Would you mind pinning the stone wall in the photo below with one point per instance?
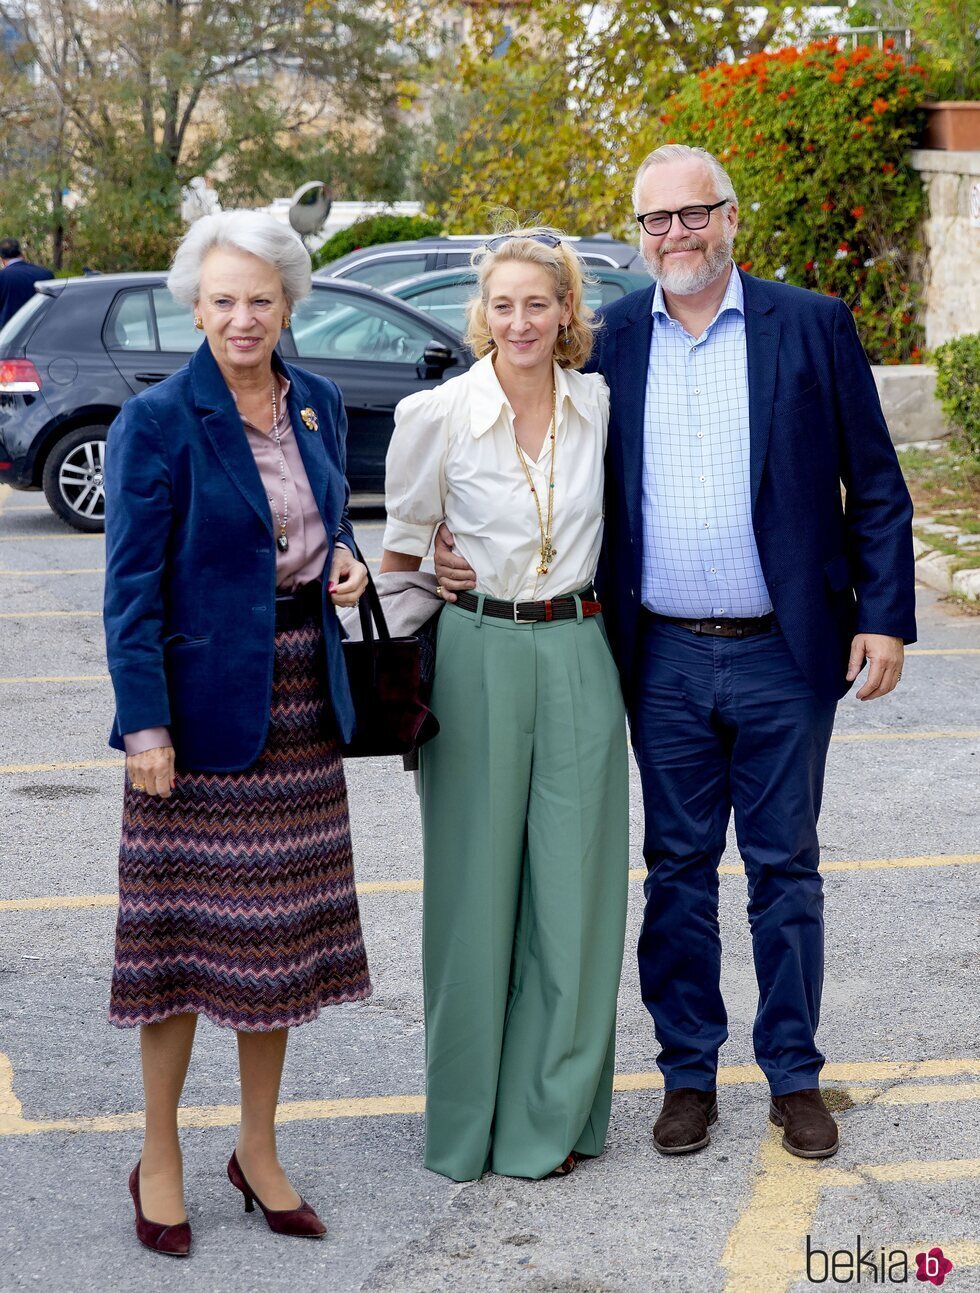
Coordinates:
(951, 292)
(908, 401)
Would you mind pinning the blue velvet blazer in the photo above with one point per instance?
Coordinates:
(190, 563)
(834, 566)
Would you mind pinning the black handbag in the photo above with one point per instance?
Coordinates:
(386, 686)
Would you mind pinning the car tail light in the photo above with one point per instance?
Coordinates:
(19, 377)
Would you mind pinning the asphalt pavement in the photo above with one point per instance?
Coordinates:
(901, 855)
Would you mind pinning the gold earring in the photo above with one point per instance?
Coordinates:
(286, 320)
(198, 322)
(566, 334)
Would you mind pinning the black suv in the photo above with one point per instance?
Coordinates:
(81, 347)
(388, 262)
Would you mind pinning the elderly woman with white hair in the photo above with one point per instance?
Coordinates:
(228, 549)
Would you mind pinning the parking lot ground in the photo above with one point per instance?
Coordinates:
(901, 854)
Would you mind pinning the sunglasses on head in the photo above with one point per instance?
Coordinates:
(546, 239)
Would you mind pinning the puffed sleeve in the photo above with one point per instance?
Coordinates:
(602, 399)
(415, 473)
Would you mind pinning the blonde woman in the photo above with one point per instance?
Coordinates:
(524, 790)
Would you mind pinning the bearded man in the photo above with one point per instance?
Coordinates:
(742, 598)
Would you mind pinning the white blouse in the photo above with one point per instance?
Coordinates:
(453, 457)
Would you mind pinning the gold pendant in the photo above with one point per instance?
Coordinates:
(548, 554)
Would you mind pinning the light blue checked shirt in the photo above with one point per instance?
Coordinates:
(700, 557)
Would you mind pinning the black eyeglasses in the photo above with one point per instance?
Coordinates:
(696, 217)
(546, 239)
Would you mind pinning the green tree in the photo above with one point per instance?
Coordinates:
(135, 97)
(547, 116)
(816, 142)
(945, 38)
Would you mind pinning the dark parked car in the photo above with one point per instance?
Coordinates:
(443, 294)
(81, 347)
(388, 262)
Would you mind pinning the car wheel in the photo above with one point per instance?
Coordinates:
(73, 482)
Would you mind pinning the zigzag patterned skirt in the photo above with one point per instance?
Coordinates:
(236, 895)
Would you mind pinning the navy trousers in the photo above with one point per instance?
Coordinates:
(723, 724)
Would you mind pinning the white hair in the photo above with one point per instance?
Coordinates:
(683, 153)
(254, 232)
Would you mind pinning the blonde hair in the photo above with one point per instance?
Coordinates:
(565, 268)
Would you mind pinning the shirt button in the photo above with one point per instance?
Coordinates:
(701, 478)
(713, 571)
(700, 435)
(706, 525)
(697, 390)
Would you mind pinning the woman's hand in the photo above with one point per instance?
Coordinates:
(348, 577)
(152, 771)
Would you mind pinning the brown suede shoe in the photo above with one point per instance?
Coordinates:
(684, 1121)
(808, 1129)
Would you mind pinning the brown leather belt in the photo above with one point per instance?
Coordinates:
(558, 608)
(732, 628)
(302, 606)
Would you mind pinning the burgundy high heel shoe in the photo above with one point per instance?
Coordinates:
(301, 1222)
(174, 1241)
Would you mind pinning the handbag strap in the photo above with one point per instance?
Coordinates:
(370, 607)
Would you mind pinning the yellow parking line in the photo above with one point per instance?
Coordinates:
(48, 538)
(54, 677)
(926, 1093)
(51, 614)
(59, 902)
(60, 767)
(85, 570)
(390, 886)
(862, 864)
(13, 1123)
(766, 1246)
(953, 734)
(942, 651)
(56, 902)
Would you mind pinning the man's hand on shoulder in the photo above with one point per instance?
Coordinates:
(884, 656)
(454, 575)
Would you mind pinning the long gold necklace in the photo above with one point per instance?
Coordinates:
(548, 552)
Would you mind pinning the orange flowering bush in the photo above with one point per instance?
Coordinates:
(815, 141)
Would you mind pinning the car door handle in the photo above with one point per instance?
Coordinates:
(151, 377)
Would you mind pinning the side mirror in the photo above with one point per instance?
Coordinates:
(436, 358)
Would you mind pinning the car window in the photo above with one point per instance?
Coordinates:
(175, 324)
(382, 270)
(598, 294)
(460, 259)
(446, 303)
(335, 325)
(13, 326)
(130, 326)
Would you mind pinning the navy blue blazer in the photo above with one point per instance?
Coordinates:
(17, 286)
(190, 563)
(834, 567)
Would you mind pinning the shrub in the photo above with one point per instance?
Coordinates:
(815, 141)
(375, 229)
(957, 365)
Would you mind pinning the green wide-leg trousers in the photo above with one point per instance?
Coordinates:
(525, 826)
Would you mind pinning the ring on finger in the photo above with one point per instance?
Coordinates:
(137, 786)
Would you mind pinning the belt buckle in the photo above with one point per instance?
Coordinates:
(517, 613)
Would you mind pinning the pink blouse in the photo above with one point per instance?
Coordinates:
(304, 559)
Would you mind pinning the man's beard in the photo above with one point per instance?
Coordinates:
(685, 282)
